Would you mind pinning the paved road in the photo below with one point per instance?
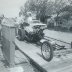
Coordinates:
(63, 36)
(67, 37)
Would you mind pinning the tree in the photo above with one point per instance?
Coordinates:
(43, 8)
(70, 1)
(67, 12)
(1, 18)
(39, 6)
(58, 5)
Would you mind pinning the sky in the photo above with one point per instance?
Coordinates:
(11, 8)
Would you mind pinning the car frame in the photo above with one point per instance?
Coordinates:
(46, 45)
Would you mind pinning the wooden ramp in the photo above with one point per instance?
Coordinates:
(33, 52)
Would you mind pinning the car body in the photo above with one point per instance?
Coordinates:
(32, 31)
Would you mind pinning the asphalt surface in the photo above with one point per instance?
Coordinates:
(63, 36)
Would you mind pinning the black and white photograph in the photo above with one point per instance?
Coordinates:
(35, 35)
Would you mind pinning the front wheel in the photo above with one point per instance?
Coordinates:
(47, 51)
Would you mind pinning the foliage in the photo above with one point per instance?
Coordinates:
(1, 18)
(65, 12)
(66, 8)
(43, 8)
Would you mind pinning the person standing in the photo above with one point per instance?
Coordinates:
(0, 32)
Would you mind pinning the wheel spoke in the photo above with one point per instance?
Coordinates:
(46, 50)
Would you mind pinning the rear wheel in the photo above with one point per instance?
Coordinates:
(47, 51)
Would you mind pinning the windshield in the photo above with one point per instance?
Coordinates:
(35, 21)
(37, 26)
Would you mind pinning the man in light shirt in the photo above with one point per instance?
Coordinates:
(29, 19)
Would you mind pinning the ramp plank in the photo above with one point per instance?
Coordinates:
(34, 53)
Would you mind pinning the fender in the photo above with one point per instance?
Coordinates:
(43, 40)
(51, 42)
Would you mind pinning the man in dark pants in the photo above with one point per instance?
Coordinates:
(0, 32)
(21, 32)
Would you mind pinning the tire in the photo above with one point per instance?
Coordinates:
(47, 51)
